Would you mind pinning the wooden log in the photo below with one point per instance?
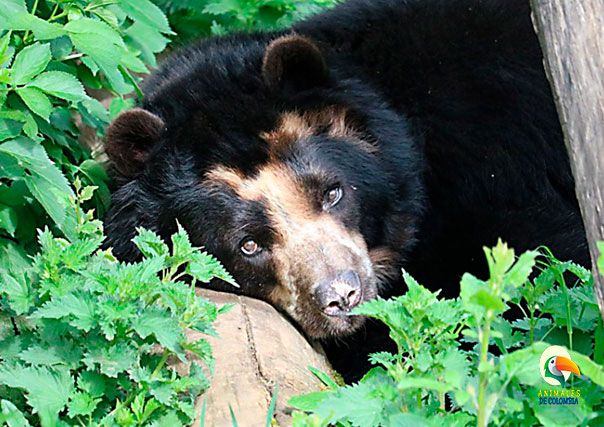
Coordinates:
(571, 33)
(257, 350)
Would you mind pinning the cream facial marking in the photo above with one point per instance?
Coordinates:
(332, 121)
(311, 244)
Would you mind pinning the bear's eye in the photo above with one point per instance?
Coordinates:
(332, 197)
(249, 246)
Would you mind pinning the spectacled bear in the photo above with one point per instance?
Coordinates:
(317, 162)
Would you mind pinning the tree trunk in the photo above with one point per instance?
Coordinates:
(571, 33)
(258, 352)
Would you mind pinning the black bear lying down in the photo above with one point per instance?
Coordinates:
(317, 162)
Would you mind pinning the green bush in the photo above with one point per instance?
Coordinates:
(192, 18)
(53, 56)
(490, 374)
(84, 339)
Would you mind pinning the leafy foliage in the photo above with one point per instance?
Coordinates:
(85, 339)
(192, 18)
(53, 55)
(461, 362)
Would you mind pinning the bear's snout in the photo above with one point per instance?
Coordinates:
(339, 294)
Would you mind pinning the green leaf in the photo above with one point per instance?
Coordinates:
(522, 268)
(92, 383)
(61, 48)
(36, 101)
(60, 84)
(148, 40)
(161, 324)
(112, 360)
(147, 13)
(309, 401)
(9, 128)
(150, 244)
(486, 299)
(589, 368)
(6, 51)
(30, 62)
(81, 404)
(345, 405)
(48, 389)
(14, 16)
(12, 416)
(323, 377)
(204, 267)
(80, 309)
(19, 294)
(424, 383)
(8, 219)
(523, 364)
(22, 157)
(85, 34)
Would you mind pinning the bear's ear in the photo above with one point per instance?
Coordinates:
(294, 62)
(130, 138)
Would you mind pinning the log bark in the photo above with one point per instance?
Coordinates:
(257, 350)
(571, 33)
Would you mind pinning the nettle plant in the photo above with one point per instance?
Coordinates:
(462, 362)
(87, 340)
(53, 56)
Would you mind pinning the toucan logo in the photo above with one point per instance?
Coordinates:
(556, 366)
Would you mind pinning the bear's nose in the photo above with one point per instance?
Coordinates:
(339, 294)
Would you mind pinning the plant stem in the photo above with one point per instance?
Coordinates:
(482, 418)
(33, 12)
(54, 11)
(59, 16)
(160, 364)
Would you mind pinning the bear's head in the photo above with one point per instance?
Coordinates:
(281, 163)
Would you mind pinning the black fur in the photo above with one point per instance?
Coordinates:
(451, 92)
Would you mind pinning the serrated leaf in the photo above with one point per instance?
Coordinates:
(60, 84)
(162, 325)
(150, 244)
(61, 352)
(30, 62)
(148, 40)
(92, 383)
(37, 382)
(486, 299)
(522, 268)
(146, 12)
(204, 267)
(85, 34)
(14, 16)
(12, 416)
(80, 309)
(8, 219)
(343, 405)
(36, 101)
(18, 293)
(81, 404)
(112, 360)
(22, 157)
